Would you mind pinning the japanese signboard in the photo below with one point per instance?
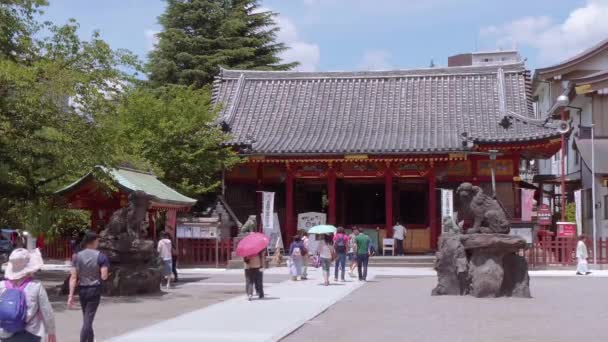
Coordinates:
(544, 215)
(310, 219)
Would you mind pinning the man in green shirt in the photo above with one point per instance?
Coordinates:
(362, 242)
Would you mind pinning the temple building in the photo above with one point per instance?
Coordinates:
(370, 148)
(93, 193)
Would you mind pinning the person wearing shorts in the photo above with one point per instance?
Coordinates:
(165, 252)
(351, 255)
(326, 253)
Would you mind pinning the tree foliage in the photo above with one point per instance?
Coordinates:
(201, 35)
(172, 130)
(54, 91)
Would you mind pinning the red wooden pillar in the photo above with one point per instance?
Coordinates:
(171, 222)
(331, 194)
(433, 207)
(388, 199)
(259, 197)
(290, 228)
(152, 224)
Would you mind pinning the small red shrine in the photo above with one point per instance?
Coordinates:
(89, 193)
(370, 148)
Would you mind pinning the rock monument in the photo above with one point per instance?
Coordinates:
(483, 262)
(135, 267)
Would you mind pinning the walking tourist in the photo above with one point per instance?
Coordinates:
(581, 257)
(305, 258)
(352, 253)
(399, 232)
(254, 275)
(32, 319)
(363, 251)
(297, 251)
(89, 269)
(326, 253)
(165, 252)
(341, 246)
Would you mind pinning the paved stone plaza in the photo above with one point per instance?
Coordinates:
(394, 305)
(400, 309)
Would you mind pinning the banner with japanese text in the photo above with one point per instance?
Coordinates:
(267, 211)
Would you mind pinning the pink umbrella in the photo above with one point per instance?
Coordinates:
(252, 244)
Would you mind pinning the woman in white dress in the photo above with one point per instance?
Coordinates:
(581, 257)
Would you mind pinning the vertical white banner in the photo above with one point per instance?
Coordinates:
(267, 211)
(447, 203)
(579, 212)
(527, 204)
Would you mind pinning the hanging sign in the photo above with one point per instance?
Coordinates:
(274, 235)
(544, 215)
(267, 210)
(566, 229)
(527, 204)
(579, 212)
(447, 203)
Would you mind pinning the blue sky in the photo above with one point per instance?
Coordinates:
(378, 34)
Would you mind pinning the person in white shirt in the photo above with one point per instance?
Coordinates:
(581, 257)
(399, 232)
(164, 250)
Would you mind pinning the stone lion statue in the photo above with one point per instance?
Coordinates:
(131, 219)
(489, 215)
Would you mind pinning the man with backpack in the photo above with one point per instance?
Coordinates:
(25, 311)
(89, 269)
(341, 246)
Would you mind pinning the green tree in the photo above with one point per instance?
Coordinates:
(199, 36)
(54, 92)
(172, 131)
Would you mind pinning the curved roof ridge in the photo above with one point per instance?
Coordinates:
(421, 72)
(579, 57)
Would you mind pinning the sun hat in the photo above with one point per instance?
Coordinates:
(22, 262)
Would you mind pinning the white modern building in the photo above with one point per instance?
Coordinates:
(576, 90)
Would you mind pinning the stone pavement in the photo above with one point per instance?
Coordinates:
(563, 309)
(287, 306)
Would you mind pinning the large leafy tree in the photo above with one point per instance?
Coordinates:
(172, 131)
(199, 36)
(54, 92)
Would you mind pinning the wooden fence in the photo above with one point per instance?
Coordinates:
(203, 252)
(191, 251)
(58, 249)
(562, 252)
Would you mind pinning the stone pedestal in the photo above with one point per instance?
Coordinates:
(493, 268)
(445, 264)
(135, 267)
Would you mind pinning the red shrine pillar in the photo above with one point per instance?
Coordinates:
(171, 222)
(259, 196)
(331, 194)
(388, 199)
(290, 228)
(433, 207)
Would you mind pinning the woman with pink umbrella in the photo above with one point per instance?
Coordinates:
(252, 249)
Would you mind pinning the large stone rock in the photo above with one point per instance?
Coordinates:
(450, 249)
(135, 267)
(494, 268)
(516, 282)
(486, 274)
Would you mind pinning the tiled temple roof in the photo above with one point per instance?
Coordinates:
(376, 112)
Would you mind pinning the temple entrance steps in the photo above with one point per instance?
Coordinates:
(402, 261)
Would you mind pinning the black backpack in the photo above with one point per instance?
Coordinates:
(340, 244)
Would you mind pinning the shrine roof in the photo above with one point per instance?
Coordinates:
(135, 180)
(402, 111)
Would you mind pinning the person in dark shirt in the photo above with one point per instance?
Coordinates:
(89, 269)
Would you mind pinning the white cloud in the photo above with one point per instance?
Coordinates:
(555, 41)
(376, 60)
(387, 7)
(308, 54)
(151, 38)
